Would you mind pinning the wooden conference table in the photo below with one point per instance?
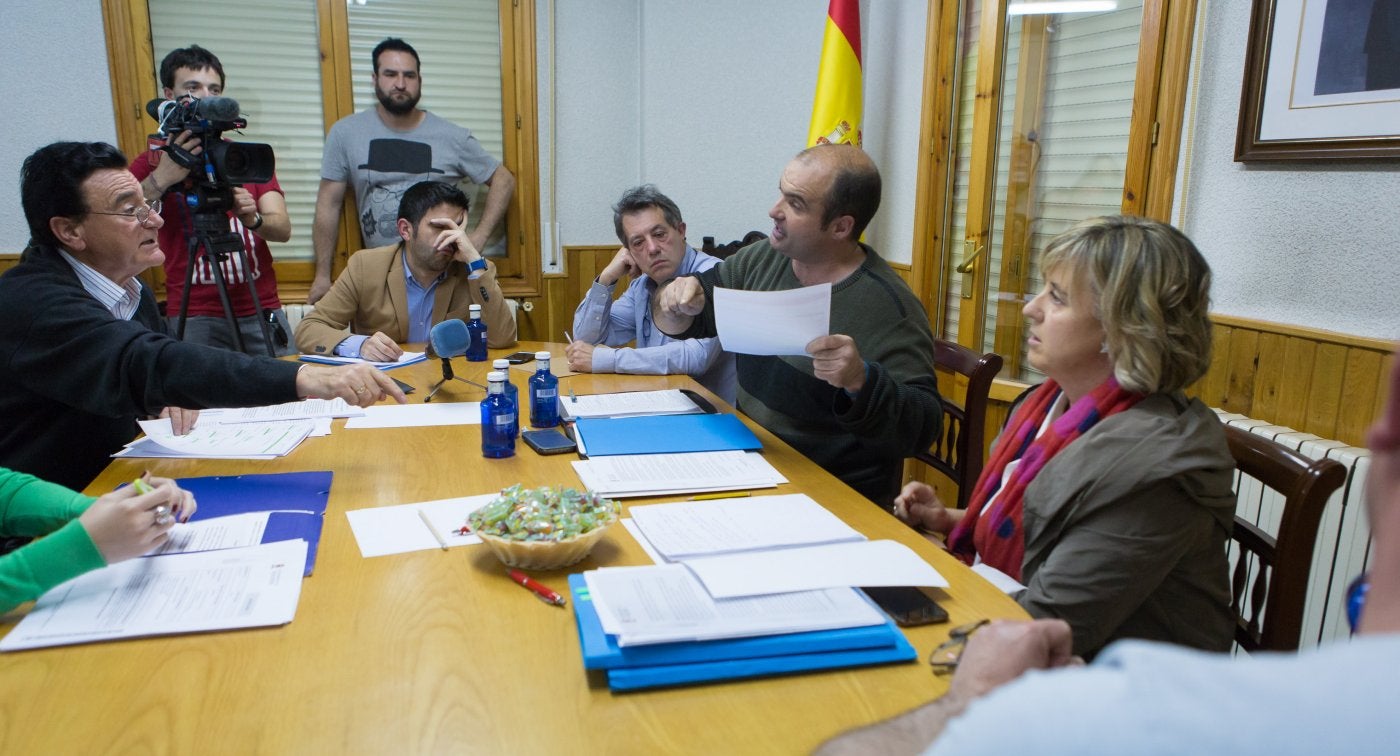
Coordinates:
(439, 652)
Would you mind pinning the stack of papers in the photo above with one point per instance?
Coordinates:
(407, 358)
(306, 409)
(264, 440)
(627, 475)
(665, 604)
(255, 586)
(628, 404)
(686, 529)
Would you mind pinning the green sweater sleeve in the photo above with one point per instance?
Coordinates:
(32, 507)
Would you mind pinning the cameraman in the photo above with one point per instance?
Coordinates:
(259, 216)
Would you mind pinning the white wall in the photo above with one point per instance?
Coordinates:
(709, 101)
(62, 39)
(1310, 244)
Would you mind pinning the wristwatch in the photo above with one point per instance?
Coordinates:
(476, 268)
(257, 222)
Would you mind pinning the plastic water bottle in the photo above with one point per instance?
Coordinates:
(503, 367)
(476, 349)
(498, 423)
(544, 394)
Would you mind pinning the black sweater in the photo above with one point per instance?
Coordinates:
(74, 379)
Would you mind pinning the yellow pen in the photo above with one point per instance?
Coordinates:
(141, 486)
(727, 495)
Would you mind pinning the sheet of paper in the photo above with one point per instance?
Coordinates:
(694, 472)
(627, 404)
(692, 528)
(407, 358)
(398, 529)
(772, 322)
(631, 527)
(865, 563)
(231, 532)
(255, 586)
(1004, 582)
(307, 409)
(243, 441)
(417, 415)
(665, 603)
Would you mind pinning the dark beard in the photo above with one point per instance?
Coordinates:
(394, 107)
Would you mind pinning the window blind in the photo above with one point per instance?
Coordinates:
(459, 48)
(1091, 68)
(271, 58)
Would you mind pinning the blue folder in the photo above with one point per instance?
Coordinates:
(665, 434)
(296, 501)
(663, 664)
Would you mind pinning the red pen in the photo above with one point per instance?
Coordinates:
(545, 593)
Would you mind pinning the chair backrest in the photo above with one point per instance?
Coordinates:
(961, 444)
(1281, 565)
(725, 250)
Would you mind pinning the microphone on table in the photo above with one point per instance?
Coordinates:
(446, 340)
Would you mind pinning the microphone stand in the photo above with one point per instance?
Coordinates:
(447, 375)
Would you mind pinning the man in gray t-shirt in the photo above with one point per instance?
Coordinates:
(390, 147)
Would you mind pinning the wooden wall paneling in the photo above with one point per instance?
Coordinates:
(1240, 364)
(1296, 378)
(1268, 373)
(1325, 391)
(1358, 405)
(1211, 387)
(1383, 385)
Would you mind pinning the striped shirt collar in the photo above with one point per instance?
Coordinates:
(120, 299)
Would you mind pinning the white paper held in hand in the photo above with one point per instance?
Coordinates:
(772, 322)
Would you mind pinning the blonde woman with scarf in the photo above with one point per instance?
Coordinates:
(1108, 493)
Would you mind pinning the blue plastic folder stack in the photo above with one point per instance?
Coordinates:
(664, 664)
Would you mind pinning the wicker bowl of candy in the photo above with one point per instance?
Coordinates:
(543, 528)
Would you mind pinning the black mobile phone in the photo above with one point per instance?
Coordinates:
(404, 387)
(520, 358)
(907, 605)
(550, 441)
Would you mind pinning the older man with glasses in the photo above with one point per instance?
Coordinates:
(83, 349)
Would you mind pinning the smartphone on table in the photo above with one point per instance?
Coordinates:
(550, 441)
(907, 605)
(520, 358)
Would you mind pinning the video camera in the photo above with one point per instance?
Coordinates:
(223, 164)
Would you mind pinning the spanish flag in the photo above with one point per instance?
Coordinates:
(836, 108)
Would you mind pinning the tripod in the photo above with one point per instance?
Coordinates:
(210, 239)
(448, 375)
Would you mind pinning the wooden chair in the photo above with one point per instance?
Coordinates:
(725, 250)
(961, 444)
(1273, 619)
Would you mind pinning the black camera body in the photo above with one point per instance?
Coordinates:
(223, 164)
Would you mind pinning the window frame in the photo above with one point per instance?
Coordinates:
(131, 62)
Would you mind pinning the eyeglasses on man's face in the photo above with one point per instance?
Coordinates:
(141, 212)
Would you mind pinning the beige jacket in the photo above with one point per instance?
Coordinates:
(370, 296)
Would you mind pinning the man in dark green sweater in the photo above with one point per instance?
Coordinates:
(865, 397)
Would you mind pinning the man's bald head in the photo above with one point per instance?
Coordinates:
(855, 183)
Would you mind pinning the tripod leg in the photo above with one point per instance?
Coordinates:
(257, 302)
(193, 246)
(217, 270)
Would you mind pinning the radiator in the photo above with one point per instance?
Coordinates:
(295, 312)
(1343, 546)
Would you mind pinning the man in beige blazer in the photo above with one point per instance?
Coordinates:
(395, 294)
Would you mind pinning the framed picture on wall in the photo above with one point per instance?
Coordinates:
(1321, 81)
